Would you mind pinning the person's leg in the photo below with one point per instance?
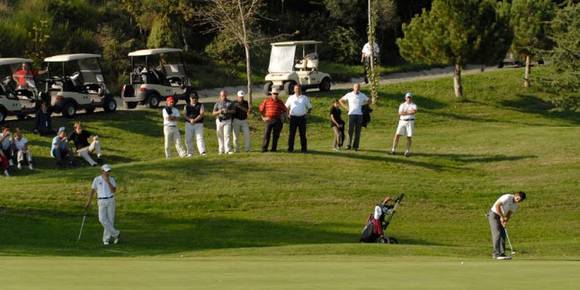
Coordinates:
(199, 138)
(341, 139)
(29, 159)
(302, 132)
(357, 131)
(336, 132)
(236, 124)
(104, 220)
(246, 132)
(351, 125)
(189, 130)
(84, 153)
(395, 143)
(4, 164)
(111, 215)
(19, 158)
(409, 129)
(168, 140)
(408, 148)
(495, 227)
(292, 134)
(95, 147)
(278, 125)
(178, 144)
(266, 140)
(227, 134)
(220, 136)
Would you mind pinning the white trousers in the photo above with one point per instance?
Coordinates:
(224, 129)
(197, 131)
(244, 125)
(172, 135)
(22, 155)
(85, 152)
(107, 218)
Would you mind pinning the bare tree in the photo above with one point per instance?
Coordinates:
(236, 21)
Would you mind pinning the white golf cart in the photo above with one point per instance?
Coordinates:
(75, 81)
(18, 92)
(156, 74)
(290, 66)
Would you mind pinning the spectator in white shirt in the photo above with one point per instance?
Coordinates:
(498, 217)
(355, 100)
(105, 187)
(406, 125)
(22, 150)
(298, 106)
(170, 130)
(365, 58)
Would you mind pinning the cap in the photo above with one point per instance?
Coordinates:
(275, 91)
(106, 168)
(170, 98)
(61, 129)
(241, 94)
(408, 94)
(194, 95)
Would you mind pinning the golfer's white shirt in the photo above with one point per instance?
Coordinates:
(174, 113)
(355, 102)
(298, 105)
(366, 50)
(20, 144)
(102, 188)
(404, 107)
(508, 204)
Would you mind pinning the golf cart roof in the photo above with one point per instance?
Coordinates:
(153, 51)
(71, 57)
(14, 60)
(300, 42)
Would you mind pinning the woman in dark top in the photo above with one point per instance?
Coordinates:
(337, 125)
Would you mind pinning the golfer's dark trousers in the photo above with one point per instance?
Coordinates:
(354, 128)
(297, 122)
(273, 127)
(497, 234)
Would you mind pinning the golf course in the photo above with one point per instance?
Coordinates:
(292, 221)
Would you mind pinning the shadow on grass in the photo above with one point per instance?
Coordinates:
(466, 158)
(535, 105)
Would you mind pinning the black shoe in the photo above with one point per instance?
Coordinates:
(99, 160)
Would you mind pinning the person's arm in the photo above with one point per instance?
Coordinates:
(401, 111)
(333, 120)
(88, 204)
(110, 182)
(187, 118)
(216, 111)
(308, 105)
(172, 117)
(412, 110)
(503, 217)
(201, 112)
(343, 103)
(378, 212)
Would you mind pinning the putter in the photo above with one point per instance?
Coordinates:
(82, 225)
(509, 242)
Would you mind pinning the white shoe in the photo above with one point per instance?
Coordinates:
(203, 154)
(6, 173)
(407, 153)
(10, 162)
(503, 257)
(30, 166)
(230, 153)
(105, 243)
(189, 155)
(116, 239)
(19, 166)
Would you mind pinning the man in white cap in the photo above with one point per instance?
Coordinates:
(406, 125)
(241, 122)
(105, 187)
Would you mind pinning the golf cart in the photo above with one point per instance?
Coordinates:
(290, 66)
(75, 81)
(18, 93)
(156, 74)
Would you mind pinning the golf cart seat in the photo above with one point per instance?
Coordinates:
(92, 88)
(312, 61)
(24, 94)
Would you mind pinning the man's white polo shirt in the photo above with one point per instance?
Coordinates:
(298, 105)
(508, 204)
(102, 188)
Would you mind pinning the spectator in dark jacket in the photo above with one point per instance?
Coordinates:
(43, 121)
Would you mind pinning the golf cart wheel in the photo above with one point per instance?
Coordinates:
(130, 105)
(110, 105)
(69, 110)
(154, 101)
(289, 87)
(90, 110)
(267, 88)
(325, 85)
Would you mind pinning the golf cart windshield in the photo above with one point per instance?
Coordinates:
(17, 76)
(282, 59)
(91, 71)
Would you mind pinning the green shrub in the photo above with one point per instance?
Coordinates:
(344, 45)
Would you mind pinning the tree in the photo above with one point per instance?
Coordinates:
(529, 20)
(563, 76)
(235, 20)
(456, 32)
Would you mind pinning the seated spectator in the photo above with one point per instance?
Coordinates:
(80, 138)
(43, 125)
(4, 163)
(59, 149)
(22, 150)
(7, 145)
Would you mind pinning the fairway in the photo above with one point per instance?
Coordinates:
(285, 273)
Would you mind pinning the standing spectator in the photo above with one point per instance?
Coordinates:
(273, 112)
(59, 148)
(80, 137)
(337, 125)
(355, 100)
(242, 109)
(22, 150)
(298, 106)
(4, 164)
(365, 58)
(223, 110)
(406, 125)
(498, 217)
(105, 187)
(7, 145)
(43, 120)
(24, 76)
(170, 130)
(194, 125)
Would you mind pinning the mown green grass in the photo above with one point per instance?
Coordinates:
(504, 138)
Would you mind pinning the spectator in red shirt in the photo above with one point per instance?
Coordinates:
(273, 113)
(24, 76)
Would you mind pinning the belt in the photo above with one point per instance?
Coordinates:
(109, 197)
(172, 126)
(408, 120)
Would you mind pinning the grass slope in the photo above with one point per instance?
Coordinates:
(505, 138)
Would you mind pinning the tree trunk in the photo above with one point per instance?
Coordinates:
(527, 72)
(247, 50)
(457, 81)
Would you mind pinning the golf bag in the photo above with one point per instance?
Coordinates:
(374, 230)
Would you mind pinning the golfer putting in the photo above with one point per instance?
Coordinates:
(105, 187)
(498, 217)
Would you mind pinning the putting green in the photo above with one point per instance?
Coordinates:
(285, 272)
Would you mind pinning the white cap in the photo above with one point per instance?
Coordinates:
(275, 91)
(61, 129)
(106, 168)
(241, 93)
(408, 94)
